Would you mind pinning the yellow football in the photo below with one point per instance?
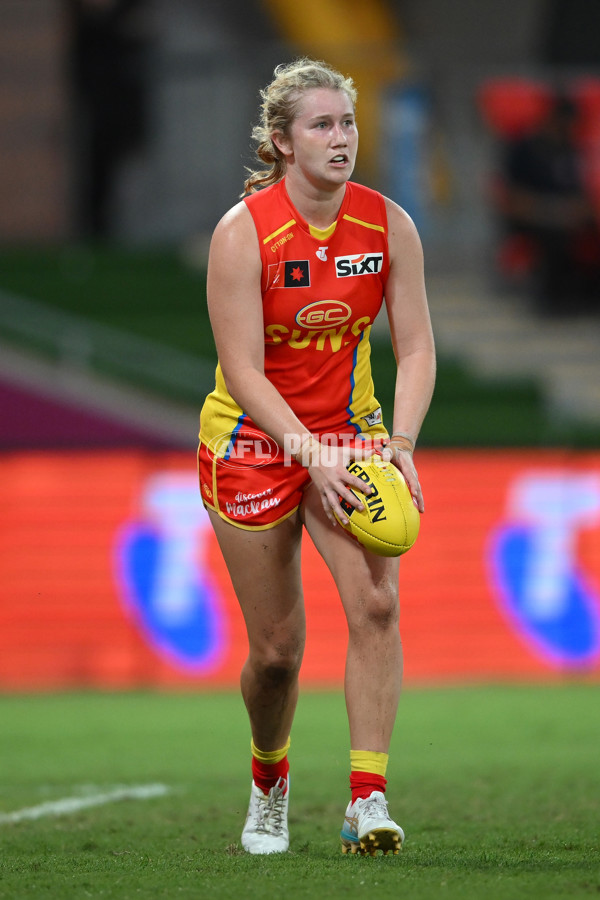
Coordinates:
(389, 523)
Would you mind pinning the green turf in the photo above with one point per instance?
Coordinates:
(498, 790)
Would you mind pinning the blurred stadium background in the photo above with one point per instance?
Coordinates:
(124, 130)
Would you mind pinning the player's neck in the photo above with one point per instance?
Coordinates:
(318, 208)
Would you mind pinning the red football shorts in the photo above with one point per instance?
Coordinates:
(252, 483)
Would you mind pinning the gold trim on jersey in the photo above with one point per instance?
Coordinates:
(364, 224)
(363, 388)
(220, 414)
(279, 230)
(322, 234)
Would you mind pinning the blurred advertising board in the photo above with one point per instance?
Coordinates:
(110, 576)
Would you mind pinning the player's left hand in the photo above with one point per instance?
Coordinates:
(398, 453)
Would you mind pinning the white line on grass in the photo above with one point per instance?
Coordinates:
(74, 804)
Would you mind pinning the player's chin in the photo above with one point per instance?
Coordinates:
(340, 173)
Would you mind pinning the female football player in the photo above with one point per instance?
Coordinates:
(297, 273)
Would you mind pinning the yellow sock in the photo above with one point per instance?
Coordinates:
(269, 757)
(369, 761)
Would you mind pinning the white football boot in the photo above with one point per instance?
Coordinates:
(266, 828)
(368, 828)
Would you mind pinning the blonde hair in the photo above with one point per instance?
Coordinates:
(280, 100)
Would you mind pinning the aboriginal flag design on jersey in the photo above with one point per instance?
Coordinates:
(321, 293)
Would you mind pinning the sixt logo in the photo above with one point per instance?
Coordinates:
(323, 314)
(363, 264)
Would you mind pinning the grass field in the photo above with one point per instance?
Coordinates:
(498, 790)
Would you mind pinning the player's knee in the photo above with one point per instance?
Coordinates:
(280, 663)
(383, 616)
(278, 672)
(379, 611)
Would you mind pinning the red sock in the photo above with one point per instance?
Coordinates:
(362, 784)
(266, 775)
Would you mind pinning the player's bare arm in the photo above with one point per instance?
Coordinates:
(412, 337)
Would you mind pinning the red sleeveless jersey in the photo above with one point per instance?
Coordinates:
(322, 290)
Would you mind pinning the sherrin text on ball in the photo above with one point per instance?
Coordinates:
(389, 522)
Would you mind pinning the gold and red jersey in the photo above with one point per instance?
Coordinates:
(322, 290)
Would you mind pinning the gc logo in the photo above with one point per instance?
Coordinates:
(323, 314)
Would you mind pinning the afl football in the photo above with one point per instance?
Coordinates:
(389, 523)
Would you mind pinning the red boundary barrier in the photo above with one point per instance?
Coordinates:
(68, 620)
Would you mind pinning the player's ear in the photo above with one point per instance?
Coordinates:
(283, 143)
